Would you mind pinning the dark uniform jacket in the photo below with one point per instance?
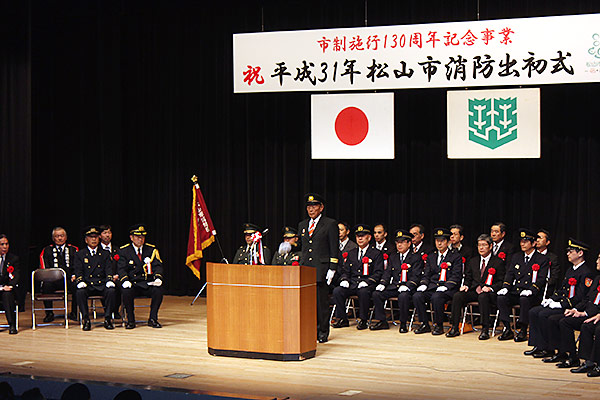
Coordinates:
(424, 249)
(113, 262)
(473, 277)
(392, 276)
(519, 276)
(431, 276)
(130, 268)
(242, 255)
(388, 247)
(555, 271)
(51, 258)
(287, 259)
(7, 277)
(353, 269)
(466, 253)
(347, 247)
(587, 304)
(96, 270)
(582, 275)
(320, 250)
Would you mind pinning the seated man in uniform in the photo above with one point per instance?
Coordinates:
(443, 273)
(361, 272)
(243, 255)
(289, 250)
(523, 284)
(400, 279)
(140, 274)
(93, 271)
(106, 243)
(484, 275)
(9, 281)
(59, 254)
(570, 293)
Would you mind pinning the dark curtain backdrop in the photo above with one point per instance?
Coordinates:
(109, 107)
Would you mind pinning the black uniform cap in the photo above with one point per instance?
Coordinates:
(250, 228)
(313, 198)
(527, 234)
(139, 229)
(91, 230)
(402, 234)
(289, 232)
(362, 229)
(577, 245)
(441, 233)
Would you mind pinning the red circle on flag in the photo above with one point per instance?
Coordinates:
(351, 126)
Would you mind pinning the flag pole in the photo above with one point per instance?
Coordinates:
(194, 179)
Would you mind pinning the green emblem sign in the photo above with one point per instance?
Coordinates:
(493, 121)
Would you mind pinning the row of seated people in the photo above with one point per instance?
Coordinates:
(98, 269)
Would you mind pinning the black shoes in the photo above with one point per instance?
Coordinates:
(521, 335)
(341, 323)
(530, 352)
(507, 334)
(322, 337)
(379, 326)
(73, 316)
(12, 330)
(594, 372)
(87, 325)
(583, 369)
(484, 335)
(130, 325)
(437, 330)
(154, 323)
(543, 354)
(108, 324)
(570, 362)
(424, 328)
(560, 357)
(453, 332)
(49, 317)
(403, 328)
(362, 324)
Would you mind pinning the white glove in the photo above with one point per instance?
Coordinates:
(157, 282)
(441, 289)
(422, 288)
(345, 284)
(526, 293)
(546, 302)
(554, 304)
(362, 284)
(110, 284)
(81, 285)
(380, 288)
(403, 288)
(126, 285)
(502, 292)
(329, 276)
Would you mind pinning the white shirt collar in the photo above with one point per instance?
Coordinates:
(543, 252)
(486, 259)
(379, 246)
(107, 246)
(137, 249)
(457, 248)
(577, 266)
(316, 220)
(416, 248)
(343, 243)
(92, 250)
(443, 254)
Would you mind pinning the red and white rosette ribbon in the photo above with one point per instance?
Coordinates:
(444, 268)
(502, 255)
(295, 263)
(424, 257)
(490, 277)
(10, 269)
(385, 260)
(257, 249)
(535, 268)
(572, 283)
(148, 263)
(345, 255)
(404, 268)
(365, 261)
(597, 300)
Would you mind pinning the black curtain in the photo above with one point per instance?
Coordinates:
(129, 99)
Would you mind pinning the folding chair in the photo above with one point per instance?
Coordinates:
(385, 307)
(41, 276)
(137, 321)
(512, 315)
(16, 318)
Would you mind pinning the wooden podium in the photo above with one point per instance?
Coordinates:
(261, 311)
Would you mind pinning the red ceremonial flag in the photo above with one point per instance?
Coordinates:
(202, 231)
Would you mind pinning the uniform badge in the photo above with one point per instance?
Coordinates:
(588, 282)
(85, 260)
(517, 266)
(131, 262)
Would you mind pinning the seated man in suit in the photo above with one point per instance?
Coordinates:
(501, 247)
(94, 277)
(9, 281)
(400, 279)
(244, 255)
(380, 235)
(571, 292)
(345, 243)
(140, 274)
(289, 250)
(361, 272)
(523, 284)
(484, 275)
(418, 242)
(456, 242)
(441, 279)
(541, 244)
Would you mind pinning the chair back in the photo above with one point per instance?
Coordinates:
(48, 275)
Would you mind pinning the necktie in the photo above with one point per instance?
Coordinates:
(527, 260)
(360, 255)
(439, 259)
(139, 251)
(401, 259)
(93, 253)
(341, 246)
(482, 266)
(311, 229)
(1, 264)
(495, 248)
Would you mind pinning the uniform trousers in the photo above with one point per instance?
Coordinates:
(322, 309)
(437, 299)
(341, 294)
(485, 300)
(540, 326)
(566, 337)
(154, 292)
(8, 302)
(506, 302)
(108, 300)
(589, 342)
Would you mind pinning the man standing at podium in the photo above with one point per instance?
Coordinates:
(319, 236)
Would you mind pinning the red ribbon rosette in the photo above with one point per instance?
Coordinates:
(490, 277)
(444, 267)
(572, 283)
(365, 262)
(345, 255)
(116, 257)
(502, 255)
(404, 267)
(10, 269)
(385, 260)
(535, 268)
(464, 260)
(295, 263)
(424, 257)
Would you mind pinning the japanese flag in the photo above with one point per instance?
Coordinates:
(352, 126)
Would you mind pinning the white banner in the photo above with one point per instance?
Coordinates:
(352, 126)
(526, 51)
(494, 123)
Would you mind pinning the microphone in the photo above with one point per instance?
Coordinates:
(265, 231)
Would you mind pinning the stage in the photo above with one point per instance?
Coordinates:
(353, 364)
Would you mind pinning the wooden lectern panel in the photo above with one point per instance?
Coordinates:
(261, 311)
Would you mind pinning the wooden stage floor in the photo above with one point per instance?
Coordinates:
(353, 364)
